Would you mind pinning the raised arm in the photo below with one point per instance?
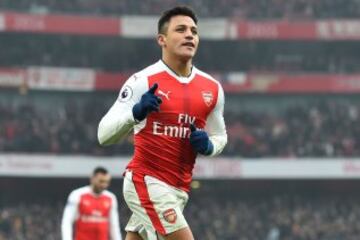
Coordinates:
(119, 120)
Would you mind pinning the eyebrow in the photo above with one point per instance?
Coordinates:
(183, 25)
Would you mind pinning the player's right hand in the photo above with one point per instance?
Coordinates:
(149, 103)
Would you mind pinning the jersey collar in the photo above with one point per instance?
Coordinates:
(175, 75)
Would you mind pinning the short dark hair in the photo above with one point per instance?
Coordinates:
(168, 14)
(101, 170)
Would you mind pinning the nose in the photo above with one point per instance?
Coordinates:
(189, 35)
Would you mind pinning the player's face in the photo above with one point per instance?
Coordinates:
(181, 38)
(100, 182)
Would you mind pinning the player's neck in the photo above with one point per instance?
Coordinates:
(93, 190)
(181, 68)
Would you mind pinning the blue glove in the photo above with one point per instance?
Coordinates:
(149, 103)
(200, 141)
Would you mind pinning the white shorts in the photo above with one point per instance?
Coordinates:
(157, 207)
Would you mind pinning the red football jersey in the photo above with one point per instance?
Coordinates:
(89, 216)
(93, 222)
(162, 146)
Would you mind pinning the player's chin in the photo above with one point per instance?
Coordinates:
(99, 190)
(187, 54)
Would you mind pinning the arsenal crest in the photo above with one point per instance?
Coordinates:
(170, 215)
(208, 97)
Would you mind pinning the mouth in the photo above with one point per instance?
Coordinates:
(188, 44)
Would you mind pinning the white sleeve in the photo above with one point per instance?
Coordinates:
(215, 125)
(115, 232)
(69, 216)
(119, 120)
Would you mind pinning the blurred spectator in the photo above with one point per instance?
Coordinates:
(126, 55)
(326, 129)
(69, 129)
(37, 221)
(285, 217)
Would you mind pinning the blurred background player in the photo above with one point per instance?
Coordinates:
(169, 104)
(91, 212)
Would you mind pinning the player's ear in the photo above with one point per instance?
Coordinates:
(161, 39)
(91, 180)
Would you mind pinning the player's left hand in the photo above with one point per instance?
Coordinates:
(200, 141)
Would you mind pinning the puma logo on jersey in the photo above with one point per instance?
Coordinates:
(166, 95)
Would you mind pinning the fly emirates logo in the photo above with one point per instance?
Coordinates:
(179, 131)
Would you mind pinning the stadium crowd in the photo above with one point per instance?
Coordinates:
(325, 129)
(71, 129)
(30, 222)
(277, 217)
(253, 9)
(89, 52)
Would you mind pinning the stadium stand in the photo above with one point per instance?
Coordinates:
(24, 49)
(302, 130)
(258, 9)
(258, 210)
